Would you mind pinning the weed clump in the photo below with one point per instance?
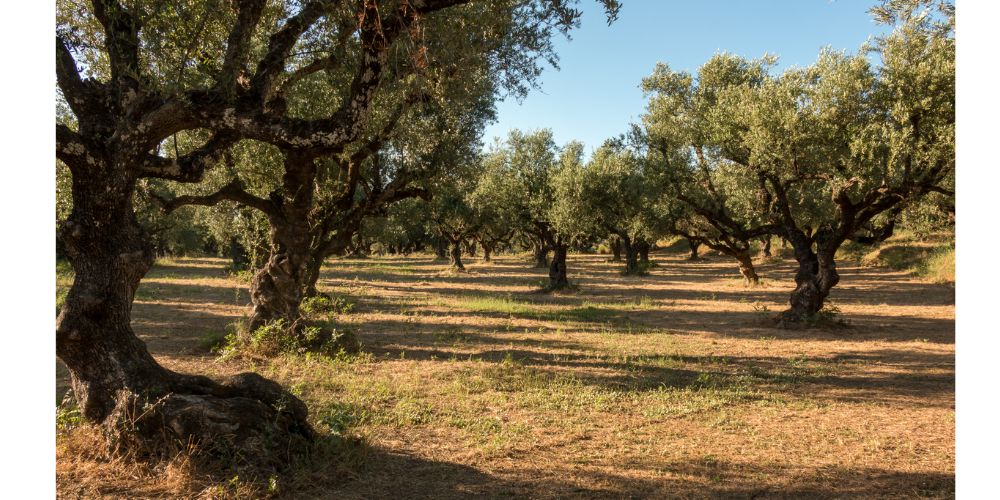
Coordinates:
(279, 337)
(827, 318)
(321, 305)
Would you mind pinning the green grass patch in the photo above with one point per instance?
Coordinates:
(932, 261)
(64, 280)
(586, 312)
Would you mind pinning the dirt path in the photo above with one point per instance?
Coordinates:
(669, 385)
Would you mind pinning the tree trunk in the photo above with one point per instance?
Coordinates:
(616, 250)
(557, 270)
(631, 256)
(487, 252)
(746, 267)
(693, 245)
(643, 247)
(441, 249)
(541, 255)
(816, 276)
(766, 249)
(313, 269)
(115, 380)
(456, 255)
(278, 288)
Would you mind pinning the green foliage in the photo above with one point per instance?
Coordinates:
(828, 317)
(820, 151)
(68, 415)
(278, 337)
(321, 305)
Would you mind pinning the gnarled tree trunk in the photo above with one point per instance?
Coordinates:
(557, 270)
(816, 276)
(643, 248)
(279, 287)
(631, 256)
(693, 245)
(441, 249)
(616, 250)
(115, 380)
(456, 255)
(313, 268)
(766, 248)
(746, 267)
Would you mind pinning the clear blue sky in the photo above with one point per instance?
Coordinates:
(595, 94)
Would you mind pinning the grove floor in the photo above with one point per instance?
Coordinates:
(668, 385)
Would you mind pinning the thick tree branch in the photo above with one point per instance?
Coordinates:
(121, 40)
(73, 87)
(248, 14)
(230, 192)
(280, 46)
(71, 149)
(190, 167)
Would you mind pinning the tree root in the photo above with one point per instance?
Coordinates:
(245, 422)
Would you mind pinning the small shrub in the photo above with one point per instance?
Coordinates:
(641, 269)
(214, 341)
(339, 418)
(827, 317)
(68, 415)
(278, 337)
(325, 304)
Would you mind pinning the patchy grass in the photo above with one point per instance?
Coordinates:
(939, 267)
(932, 259)
(658, 386)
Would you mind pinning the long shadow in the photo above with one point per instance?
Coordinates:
(812, 377)
(388, 473)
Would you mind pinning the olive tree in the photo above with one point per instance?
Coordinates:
(721, 205)
(135, 75)
(518, 181)
(620, 192)
(834, 145)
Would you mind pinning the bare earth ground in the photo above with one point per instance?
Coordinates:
(669, 385)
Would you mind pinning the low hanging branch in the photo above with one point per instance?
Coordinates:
(233, 191)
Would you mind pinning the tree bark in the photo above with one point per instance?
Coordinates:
(631, 256)
(557, 270)
(313, 269)
(487, 252)
(441, 249)
(766, 249)
(616, 250)
(115, 380)
(816, 276)
(456, 255)
(643, 247)
(746, 267)
(693, 245)
(541, 255)
(279, 287)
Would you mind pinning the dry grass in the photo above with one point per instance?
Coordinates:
(667, 385)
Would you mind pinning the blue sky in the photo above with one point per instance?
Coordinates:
(595, 94)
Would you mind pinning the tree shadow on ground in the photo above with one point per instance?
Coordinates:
(392, 474)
